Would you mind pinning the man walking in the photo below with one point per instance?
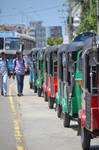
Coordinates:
(19, 67)
(3, 74)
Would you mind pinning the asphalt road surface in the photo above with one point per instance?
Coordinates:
(26, 123)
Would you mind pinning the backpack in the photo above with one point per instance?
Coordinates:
(15, 62)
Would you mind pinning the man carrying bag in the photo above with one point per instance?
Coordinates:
(19, 68)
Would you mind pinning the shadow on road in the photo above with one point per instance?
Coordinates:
(74, 127)
(96, 147)
(29, 95)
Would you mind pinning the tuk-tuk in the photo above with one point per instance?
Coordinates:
(50, 84)
(62, 61)
(40, 71)
(35, 75)
(89, 113)
(69, 84)
(31, 76)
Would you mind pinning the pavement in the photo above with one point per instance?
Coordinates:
(41, 127)
(26, 123)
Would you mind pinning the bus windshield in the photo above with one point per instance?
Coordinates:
(12, 44)
(1, 43)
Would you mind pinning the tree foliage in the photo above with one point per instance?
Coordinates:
(57, 41)
(88, 16)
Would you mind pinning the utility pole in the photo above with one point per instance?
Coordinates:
(97, 5)
(70, 25)
(90, 4)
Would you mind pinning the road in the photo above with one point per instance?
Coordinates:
(28, 124)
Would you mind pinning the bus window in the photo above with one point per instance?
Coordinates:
(12, 44)
(1, 43)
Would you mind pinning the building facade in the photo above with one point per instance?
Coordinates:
(54, 31)
(38, 32)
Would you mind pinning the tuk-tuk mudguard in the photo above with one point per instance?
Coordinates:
(44, 87)
(94, 119)
(94, 113)
(57, 97)
(38, 84)
(82, 117)
(55, 87)
(76, 100)
(64, 105)
(49, 87)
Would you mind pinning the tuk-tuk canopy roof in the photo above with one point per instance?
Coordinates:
(52, 48)
(74, 46)
(88, 43)
(63, 48)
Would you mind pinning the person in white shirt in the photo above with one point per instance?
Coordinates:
(3, 74)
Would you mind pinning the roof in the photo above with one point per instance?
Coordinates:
(63, 48)
(52, 48)
(88, 43)
(74, 46)
(15, 34)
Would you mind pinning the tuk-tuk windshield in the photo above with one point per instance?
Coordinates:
(80, 65)
(1, 43)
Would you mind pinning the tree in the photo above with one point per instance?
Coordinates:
(50, 41)
(88, 15)
(57, 41)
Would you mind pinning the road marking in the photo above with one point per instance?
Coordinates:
(19, 148)
(17, 131)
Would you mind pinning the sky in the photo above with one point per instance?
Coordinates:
(23, 11)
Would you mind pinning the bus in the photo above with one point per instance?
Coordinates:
(11, 42)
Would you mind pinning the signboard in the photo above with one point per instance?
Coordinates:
(7, 34)
(65, 39)
(13, 39)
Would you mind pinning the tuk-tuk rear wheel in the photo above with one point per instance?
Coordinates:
(66, 120)
(51, 103)
(85, 139)
(35, 89)
(59, 110)
(39, 92)
(45, 97)
(31, 86)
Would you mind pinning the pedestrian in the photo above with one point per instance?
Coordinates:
(4, 70)
(19, 68)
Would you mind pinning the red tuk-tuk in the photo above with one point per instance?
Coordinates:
(89, 114)
(50, 84)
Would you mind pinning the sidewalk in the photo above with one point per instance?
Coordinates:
(7, 139)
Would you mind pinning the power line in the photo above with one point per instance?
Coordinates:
(33, 11)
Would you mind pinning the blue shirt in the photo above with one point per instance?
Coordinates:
(3, 66)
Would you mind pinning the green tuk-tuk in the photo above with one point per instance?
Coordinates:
(35, 62)
(69, 81)
(40, 70)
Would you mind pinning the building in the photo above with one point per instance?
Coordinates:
(38, 32)
(53, 31)
(13, 27)
(41, 33)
